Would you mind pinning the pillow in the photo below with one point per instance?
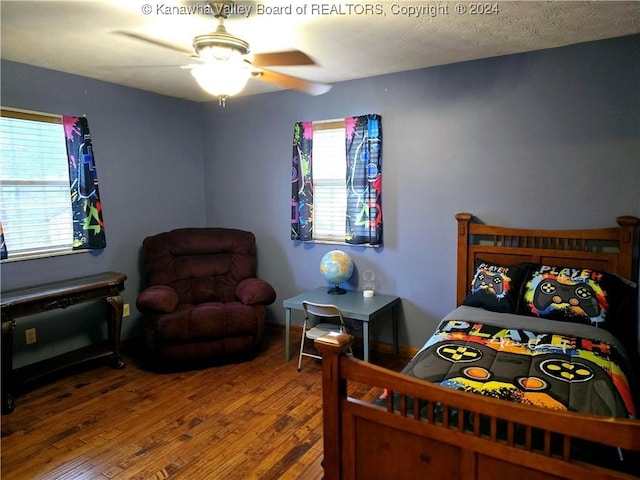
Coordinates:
(496, 287)
(575, 295)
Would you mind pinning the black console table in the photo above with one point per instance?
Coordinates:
(50, 296)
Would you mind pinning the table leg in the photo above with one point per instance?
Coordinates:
(8, 327)
(365, 340)
(394, 326)
(115, 328)
(287, 334)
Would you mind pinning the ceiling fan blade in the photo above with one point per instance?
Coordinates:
(287, 81)
(288, 58)
(153, 41)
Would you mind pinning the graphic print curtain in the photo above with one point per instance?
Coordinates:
(301, 183)
(88, 226)
(363, 149)
(3, 245)
(364, 180)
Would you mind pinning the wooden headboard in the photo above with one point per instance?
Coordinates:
(605, 249)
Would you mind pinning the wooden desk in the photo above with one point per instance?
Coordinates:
(353, 305)
(51, 296)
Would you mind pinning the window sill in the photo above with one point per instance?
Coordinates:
(35, 256)
(339, 242)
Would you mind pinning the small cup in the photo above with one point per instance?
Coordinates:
(367, 293)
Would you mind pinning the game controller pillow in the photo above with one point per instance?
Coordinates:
(496, 287)
(574, 295)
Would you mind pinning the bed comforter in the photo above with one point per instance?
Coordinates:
(557, 365)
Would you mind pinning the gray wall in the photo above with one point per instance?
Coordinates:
(545, 139)
(149, 156)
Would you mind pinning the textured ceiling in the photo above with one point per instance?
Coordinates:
(347, 40)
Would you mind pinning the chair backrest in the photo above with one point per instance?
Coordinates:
(201, 264)
(322, 310)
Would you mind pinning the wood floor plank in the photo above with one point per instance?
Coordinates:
(259, 419)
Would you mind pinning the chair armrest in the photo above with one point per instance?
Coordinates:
(157, 299)
(253, 291)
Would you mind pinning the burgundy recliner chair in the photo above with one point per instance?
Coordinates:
(203, 300)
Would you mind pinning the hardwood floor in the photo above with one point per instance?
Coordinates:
(259, 419)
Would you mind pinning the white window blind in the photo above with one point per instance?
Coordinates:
(329, 173)
(35, 206)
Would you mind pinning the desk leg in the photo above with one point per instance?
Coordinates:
(394, 326)
(287, 334)
(115, 328)
(365, 340)
(8, 327)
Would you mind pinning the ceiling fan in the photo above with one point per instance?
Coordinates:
(225, 66)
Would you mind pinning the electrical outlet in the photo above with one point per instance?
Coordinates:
(30, 336)
(126, 310)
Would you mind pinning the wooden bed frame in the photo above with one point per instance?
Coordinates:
(366, 441)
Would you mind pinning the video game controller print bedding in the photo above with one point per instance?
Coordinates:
(552, 293)
(496, 287)
(546, 369)
(568, 294)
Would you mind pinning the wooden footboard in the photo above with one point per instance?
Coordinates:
(435, 432)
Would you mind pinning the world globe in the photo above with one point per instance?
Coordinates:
(337, 267)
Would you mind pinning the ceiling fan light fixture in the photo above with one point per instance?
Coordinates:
(212, 53)
(222, 77)
(220, 39)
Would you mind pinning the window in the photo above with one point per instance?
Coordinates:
(35, 206)
(329, 181)
(336, 181)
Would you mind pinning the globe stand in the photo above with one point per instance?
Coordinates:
(336, 290)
